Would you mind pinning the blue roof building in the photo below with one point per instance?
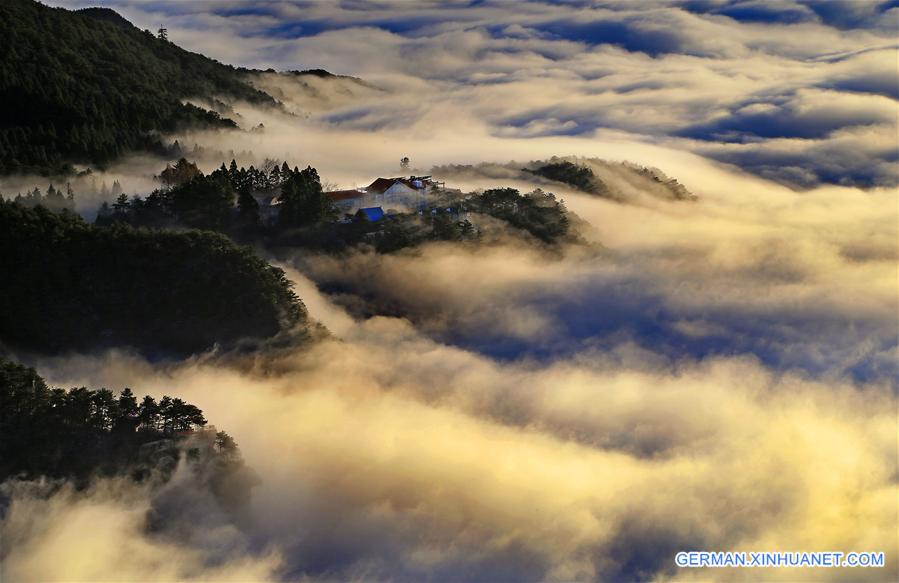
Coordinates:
(371, 214)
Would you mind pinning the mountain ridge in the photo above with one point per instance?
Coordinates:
(87, 86)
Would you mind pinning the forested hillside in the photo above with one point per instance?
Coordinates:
(582, 177)
(81, 433)
(87, 86)
(69, 285)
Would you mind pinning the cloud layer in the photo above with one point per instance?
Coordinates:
(718, 375)
(709, 375)
(386, 455)
(800, 92)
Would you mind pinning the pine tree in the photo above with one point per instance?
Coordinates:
(104, 409)
(121, 206)
(243, 179)
(225, 444)
(54, 199)
(274, 177)
(247, 208)
(165, 412)
(35, 198)
(127, 419)
(127, 402)
(149, 413)
(302, 200)
(181, 173)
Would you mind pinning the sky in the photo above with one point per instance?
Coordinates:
(799, 92)
(717, 374)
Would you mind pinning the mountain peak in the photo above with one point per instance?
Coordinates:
(106, 15)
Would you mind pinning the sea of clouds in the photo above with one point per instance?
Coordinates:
(801, 92)
(717, 374)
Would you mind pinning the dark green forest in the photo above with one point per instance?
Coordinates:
(87, 87)
(70, 285)
(572, 174)
(223, 200)
(584, 179)
(537, 213)
(79, 434)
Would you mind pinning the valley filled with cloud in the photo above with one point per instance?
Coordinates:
(712, 372)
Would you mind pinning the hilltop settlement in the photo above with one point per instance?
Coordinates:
(279, 206)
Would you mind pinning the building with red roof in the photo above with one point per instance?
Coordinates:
(390, 193)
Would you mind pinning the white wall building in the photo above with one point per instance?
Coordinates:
(402, 194)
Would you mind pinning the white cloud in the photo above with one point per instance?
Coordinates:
(754, 409)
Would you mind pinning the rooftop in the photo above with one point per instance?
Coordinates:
(345, 194)
(372, 214)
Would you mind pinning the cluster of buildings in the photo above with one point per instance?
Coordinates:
(373, 202)
(385, 194)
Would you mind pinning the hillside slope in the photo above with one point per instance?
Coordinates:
(74, 286)
(87, 86)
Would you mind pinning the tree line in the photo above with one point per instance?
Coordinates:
(538, 213)
(54, 200)
(225, 200)
(576, 175)
(48, 431)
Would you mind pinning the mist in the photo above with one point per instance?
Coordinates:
(384, 454)
(710, 374)
(715, 373)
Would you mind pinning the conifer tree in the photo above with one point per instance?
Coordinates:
(274, 177)
(302, 200)
(149, 413)
(247, 208)
(121, 206)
